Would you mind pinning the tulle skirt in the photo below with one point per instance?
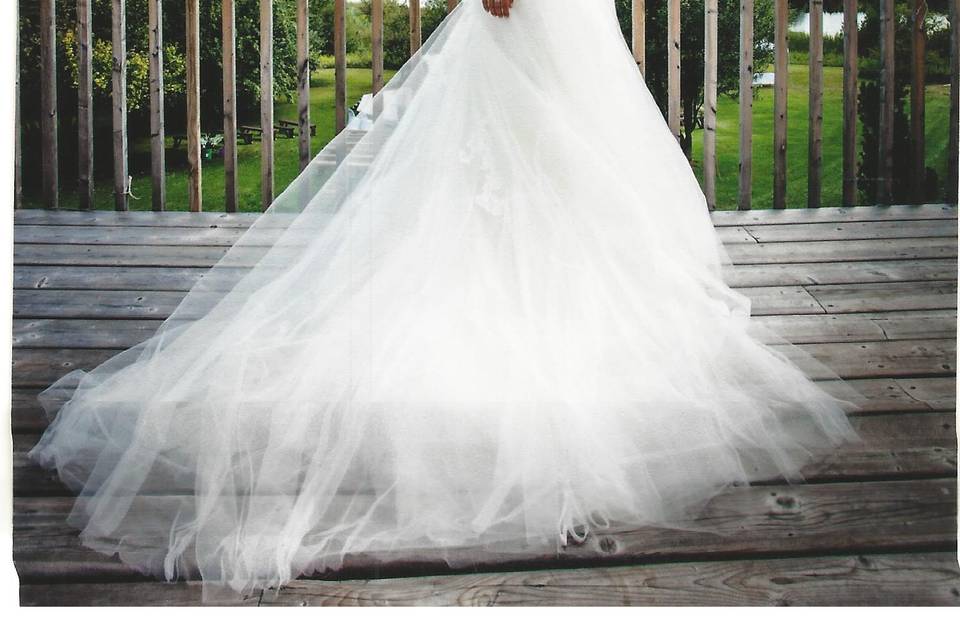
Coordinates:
(496, 321)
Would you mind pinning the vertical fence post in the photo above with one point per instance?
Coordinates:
(340, 63)
(303, 80)
(266, 103)
(85, 103)
(639, 44)
(887, 90)
(673, 67)
(745, 179)
(850, 91)
(416, 38)
(954, 142)
(710, 33)
(120, 167)
(780, 89)
(195, 185)
(158, 174)
(815, 103)
(50, 173)
(228, 30)
(18, 149)
(376, 44)
(918, 102)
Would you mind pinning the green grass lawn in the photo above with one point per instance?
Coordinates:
(286, 156)
(937, 120)
(359, 81)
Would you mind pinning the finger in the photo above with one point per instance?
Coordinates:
(486, 5)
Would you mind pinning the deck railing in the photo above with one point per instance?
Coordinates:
(49, 152)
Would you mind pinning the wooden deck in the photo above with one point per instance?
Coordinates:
(871, 292)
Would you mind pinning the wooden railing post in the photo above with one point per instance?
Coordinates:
(195, 168)
(416, 38)
(120, 167)
(780, 92)
(745, 179)
(85, 103)
(340, 63)
(50, 173)
(18, 148)
(228, 30)
(376, 44)
(710, 33)
(266, 103)
(918, 102)
(639, 29)
(887, 91)
(954, 142)
(303, 80)
(673, 67)
(850, 91)
(815, 92)
(157, 129)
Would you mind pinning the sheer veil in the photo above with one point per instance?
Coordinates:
(493, 320)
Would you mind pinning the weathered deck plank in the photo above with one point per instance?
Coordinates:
(844, 517)
(786, 300)
(114, 333)
(869, 292)
(149, 278)
(864, 580)
(907, 358)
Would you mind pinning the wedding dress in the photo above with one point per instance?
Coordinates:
(495, 321)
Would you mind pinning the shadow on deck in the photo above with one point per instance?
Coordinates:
(870, 292)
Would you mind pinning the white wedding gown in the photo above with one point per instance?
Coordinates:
(498, 321)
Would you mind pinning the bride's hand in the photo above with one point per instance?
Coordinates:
(499, 8)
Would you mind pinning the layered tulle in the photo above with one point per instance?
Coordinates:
(495, 319)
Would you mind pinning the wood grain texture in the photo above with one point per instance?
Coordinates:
(38, 368)
(865, 580)
(871, 292)
(884, 190)
(376, 44)
(266, 105)
(340, 63)
(918, 78)
(742, 522)
(416, 26)
(953, 145)
(803, 328)
(850, 93)
(638, 43)
(855, 580)
(229, 35)
(85, 141)
(710, 64)
(303, 81)
(194, 162)
(158, 174)
(780, 92)
(826, 214)
(17, 127)
(121, 170)
(673, 67)
(745, 169)
(815, 106)
(49, 150)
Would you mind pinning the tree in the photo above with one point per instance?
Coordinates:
(691, 53)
